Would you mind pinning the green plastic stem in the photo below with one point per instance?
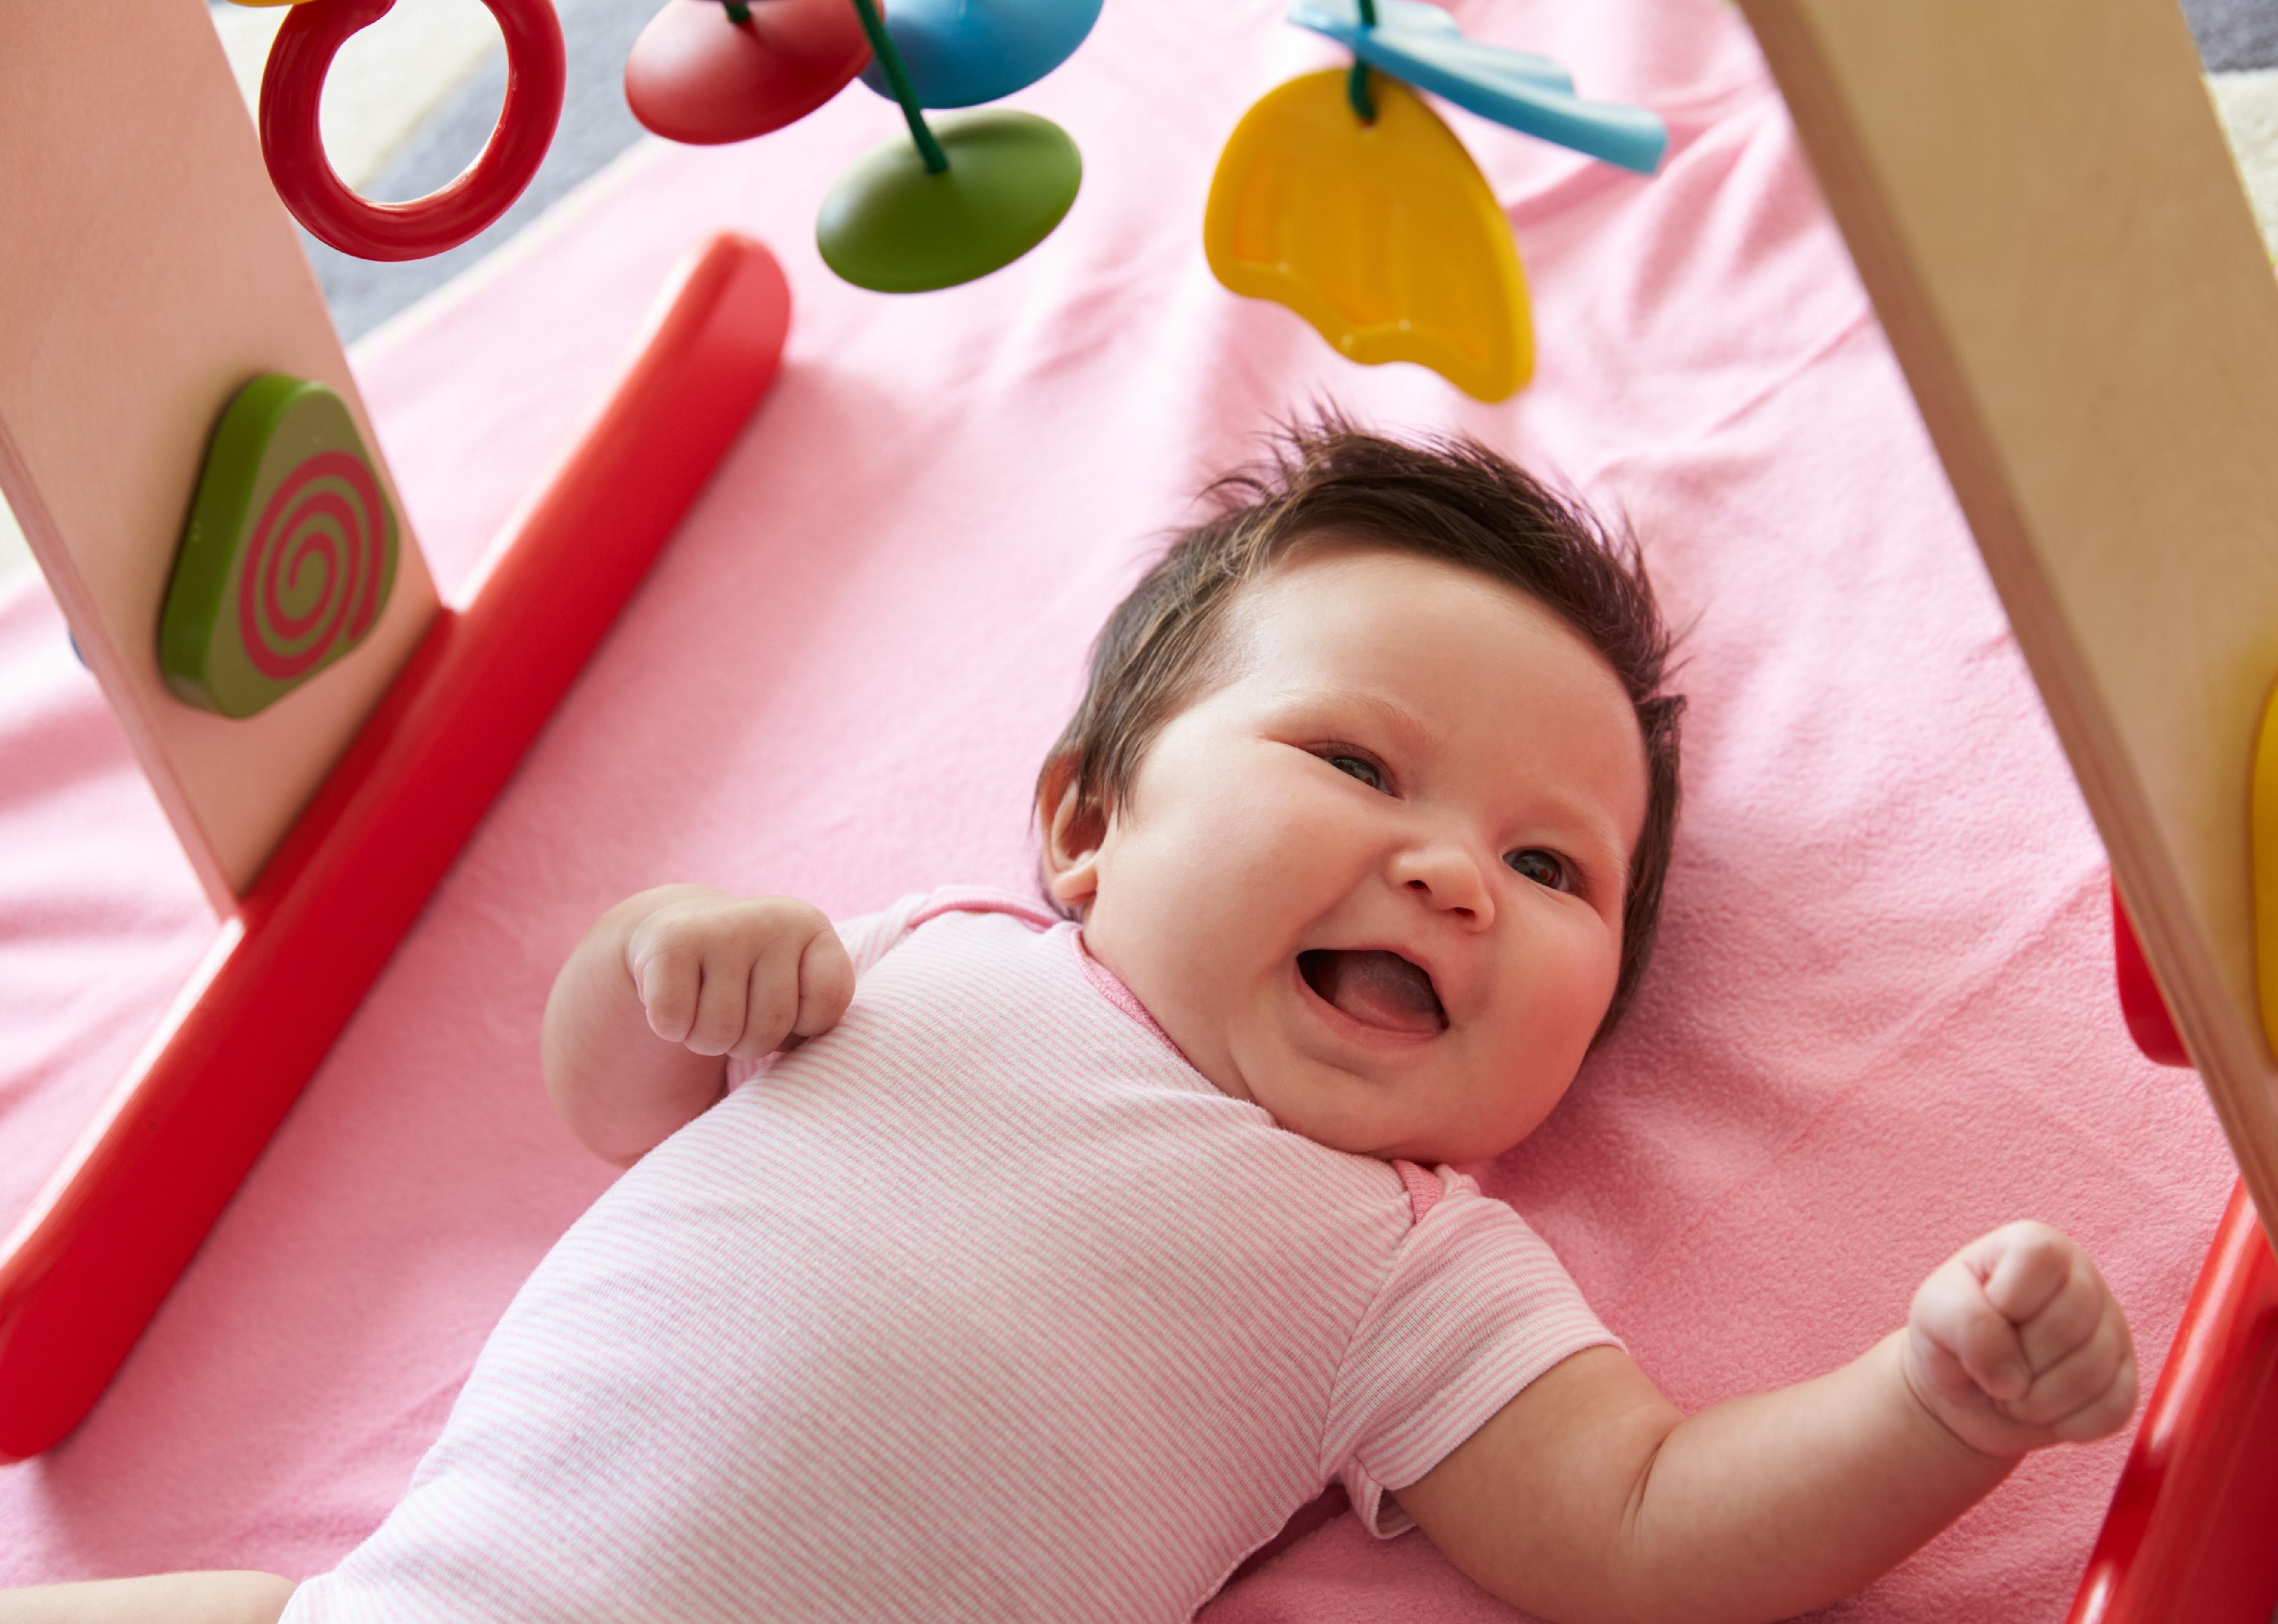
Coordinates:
(738, 12)
(882, 46)
(1364, 104)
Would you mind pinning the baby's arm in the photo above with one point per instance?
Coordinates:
(664, 988)
(642, 1019)
(1589, 1496)
(162, 1598)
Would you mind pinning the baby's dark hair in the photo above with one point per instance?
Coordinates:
(1443, 497)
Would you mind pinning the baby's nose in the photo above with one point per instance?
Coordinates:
(1447, 877)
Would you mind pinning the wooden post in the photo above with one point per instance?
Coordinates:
(147, 270)
(2043, 207)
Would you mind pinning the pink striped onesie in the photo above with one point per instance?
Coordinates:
(985, 1305)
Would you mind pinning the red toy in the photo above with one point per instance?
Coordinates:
(2188, 1536)
(2142, 1005)
(292, 89)
(692, 77)
(2193, 1529)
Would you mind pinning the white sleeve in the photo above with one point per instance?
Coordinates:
(1476, 1307)
(868, 938)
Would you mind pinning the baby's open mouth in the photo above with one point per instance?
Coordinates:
(1375, 988)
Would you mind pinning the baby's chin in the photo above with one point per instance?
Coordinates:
(1344, 1111)
(1364, 1116)
(1393, 1106)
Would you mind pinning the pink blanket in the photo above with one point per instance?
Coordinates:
(1881, 1021)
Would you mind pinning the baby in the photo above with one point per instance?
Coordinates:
(987, 1261)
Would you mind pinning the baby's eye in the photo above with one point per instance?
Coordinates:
(1360, 767)
(1543, 868)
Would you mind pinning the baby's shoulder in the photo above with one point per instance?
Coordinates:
(869, 938)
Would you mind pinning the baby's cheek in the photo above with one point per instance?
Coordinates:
(1312, 833)
(1579, 964)
(1512, 1105)
(1556, 996)
(1261, 856)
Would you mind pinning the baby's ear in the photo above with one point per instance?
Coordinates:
(1073, 834)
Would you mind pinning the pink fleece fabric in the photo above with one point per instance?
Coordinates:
(1881, 1018)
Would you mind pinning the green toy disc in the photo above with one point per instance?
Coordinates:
(891, 227)
(289, 554)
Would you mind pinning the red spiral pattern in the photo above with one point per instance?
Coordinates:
(327, 515)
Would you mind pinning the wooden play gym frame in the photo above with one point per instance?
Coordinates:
(2037, 197)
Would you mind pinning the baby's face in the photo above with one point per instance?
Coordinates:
(1373, 881)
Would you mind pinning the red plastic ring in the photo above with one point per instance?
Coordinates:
(292, 87)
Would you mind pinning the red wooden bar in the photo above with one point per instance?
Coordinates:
(2192, 1532)
(2193, 1529)
(89, 1264)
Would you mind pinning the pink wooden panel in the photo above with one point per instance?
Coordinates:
(148, 271)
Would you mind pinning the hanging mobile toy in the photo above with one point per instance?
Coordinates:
(959, 54)
(704, 74)
(1344, 197)
(965, 196)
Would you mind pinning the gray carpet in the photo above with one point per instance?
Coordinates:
(2235, 34)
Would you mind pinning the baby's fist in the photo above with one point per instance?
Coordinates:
(737, 976)
(2016, 1343)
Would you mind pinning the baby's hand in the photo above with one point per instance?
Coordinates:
(737, 976)
(2016, 1343)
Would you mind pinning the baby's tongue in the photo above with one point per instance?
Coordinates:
(1375, 988)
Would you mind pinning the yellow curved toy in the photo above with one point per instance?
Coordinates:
(2262, 815)
(1383, 235)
